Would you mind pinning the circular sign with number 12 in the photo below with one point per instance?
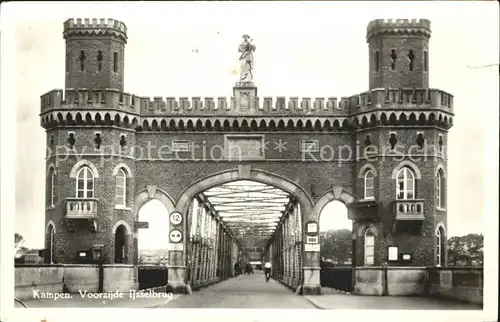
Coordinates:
(175, 218)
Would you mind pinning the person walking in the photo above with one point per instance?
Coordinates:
(267, 270)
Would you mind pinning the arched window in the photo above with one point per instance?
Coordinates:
(369, 184)
(51, 188)
(121, 188)
(440, 191)
(85, 183)
(369, 247)
(50, 236)
(440, 247)
(405, 184)
(120, 245)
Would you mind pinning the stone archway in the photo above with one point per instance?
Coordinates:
(241, 173)
(336, 193)
(244, 173)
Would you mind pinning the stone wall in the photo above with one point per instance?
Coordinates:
(31, 278)
(120, 277)
(72, 278)
(462, 284)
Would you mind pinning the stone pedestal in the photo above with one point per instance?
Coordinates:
(245, 94)
(312, 284)
(176, 282)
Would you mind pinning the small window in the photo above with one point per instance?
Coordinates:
(115, 62)
(51, 237)
(377, 61)
(369, 185)
(440, 247)
(426, 61)
(51, 188)
(440, 191)
(369, 248)
(121, 188)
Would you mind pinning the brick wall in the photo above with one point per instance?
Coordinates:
(91, 77)
(421, 243)
(401, 76)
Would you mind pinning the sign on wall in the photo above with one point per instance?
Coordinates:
(244, 147)
(392, 253)
(176, 247)
(141, 224)
(312, 228)
(181, 146)
(309, 145)
(175, 236)
(175, 218)
(312, 240)
(311, 247)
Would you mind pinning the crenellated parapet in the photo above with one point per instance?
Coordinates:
(377, 99)
(95, 27)
(398, 27)
(86, 99)
(401, 99)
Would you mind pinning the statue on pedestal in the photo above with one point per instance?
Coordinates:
(246, 49)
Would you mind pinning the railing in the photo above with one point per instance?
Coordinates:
(409, 209)
(80, 208)
(339, 278)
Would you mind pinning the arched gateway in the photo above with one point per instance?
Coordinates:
(110, 152)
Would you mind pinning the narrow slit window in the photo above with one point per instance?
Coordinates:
(67, 62)
(82, 59)
(426, 61)
(99, 60)
(115, 62)
(411, 58)
(394, 56)
(377, 61)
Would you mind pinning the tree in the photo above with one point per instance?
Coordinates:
(336, 245)
(466, 250)
(19, 249)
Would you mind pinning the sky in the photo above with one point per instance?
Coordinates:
(303, 49)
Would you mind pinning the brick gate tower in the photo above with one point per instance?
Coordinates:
(392, 179)
(401, 134)
(88, 150)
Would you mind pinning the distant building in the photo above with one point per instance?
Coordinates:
(34, 256)
(153, 256)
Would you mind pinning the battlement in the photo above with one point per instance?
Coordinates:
(409, 26)
(90, 99)
(95, 27)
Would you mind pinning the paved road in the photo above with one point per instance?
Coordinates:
(252, 291)
(244, 291)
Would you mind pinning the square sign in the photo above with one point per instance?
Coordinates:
(392, 253)
(312, 239)
(312, 228)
